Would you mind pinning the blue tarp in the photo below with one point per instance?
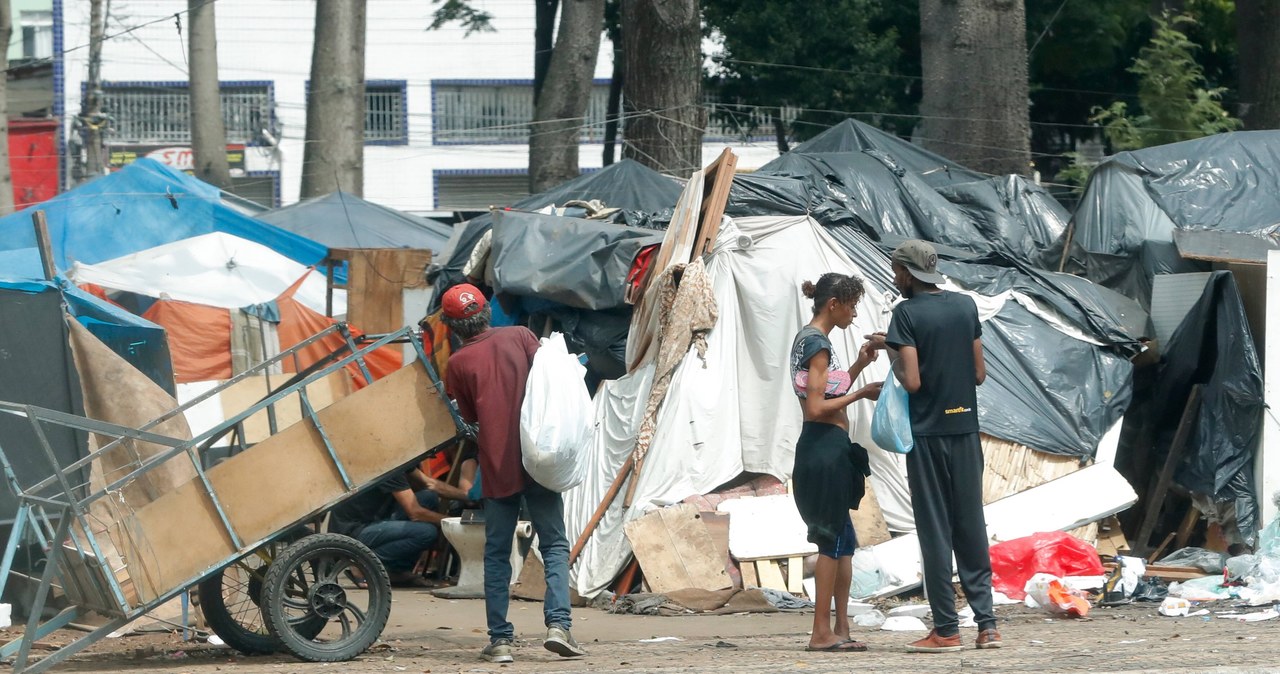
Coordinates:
(143, 205)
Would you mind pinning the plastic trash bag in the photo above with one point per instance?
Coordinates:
(1055, 552)
(1047, 592)
(891, 422)
(1205, 560)
(556, 417)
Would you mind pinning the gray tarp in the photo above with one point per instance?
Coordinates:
(341, 220)
(577, 263)
(1123, 228)
(854, 174)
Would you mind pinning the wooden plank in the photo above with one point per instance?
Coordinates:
(42, 244)
(719, 179)
(795, 575)
(770, 575)
(1155, 497)
(749, 577)
(675, 550)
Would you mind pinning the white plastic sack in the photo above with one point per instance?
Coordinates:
(556, 417)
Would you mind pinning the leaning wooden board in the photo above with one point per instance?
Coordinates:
(285, 479)
(676, 551)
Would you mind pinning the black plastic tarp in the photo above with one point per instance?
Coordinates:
(1045, 389)
(341, 220)
(861, 176)
(642, 193)
(1103, 314)
(1048, 390)
(1213, 347)
(1123, 227)
(574, 262)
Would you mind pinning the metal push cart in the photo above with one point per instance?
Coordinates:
(114, 550)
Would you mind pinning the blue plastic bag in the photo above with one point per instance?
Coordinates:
(891, 422)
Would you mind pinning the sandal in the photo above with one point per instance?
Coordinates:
(849, 646)
(359, 582)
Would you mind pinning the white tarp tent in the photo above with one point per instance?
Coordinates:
(216, 269)
(738, 413)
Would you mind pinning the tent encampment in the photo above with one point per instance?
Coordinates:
(341, 220)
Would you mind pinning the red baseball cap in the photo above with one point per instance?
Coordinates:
(462, 301)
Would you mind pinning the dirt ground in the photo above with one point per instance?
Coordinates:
(426, 634)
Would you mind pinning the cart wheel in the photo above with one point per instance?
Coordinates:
(305, 584)
(231, 601)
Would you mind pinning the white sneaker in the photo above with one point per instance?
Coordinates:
(498, 651)
(561, 642)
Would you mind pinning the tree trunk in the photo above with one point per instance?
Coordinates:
(562, 108)
(615, 102)
(544, 30)
(1257, 30)
(6, 177)
(208, 133)
(974, 106)
(91, 119)
(663, 87)
(780, 131)
(334, 156)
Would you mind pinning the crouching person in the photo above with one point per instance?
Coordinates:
(397, 521)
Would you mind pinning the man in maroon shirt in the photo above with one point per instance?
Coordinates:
(487, 376)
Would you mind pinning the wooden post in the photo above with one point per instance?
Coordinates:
(594, 522)
(1155, 497)
(42, 243)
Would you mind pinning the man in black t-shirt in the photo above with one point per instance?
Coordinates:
(399, 524)
(935, 342)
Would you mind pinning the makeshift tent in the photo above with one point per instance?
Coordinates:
(341, 220)
(37, 367)
(217, 269)
(219, 297)
(855, 174)
(1220, 193)
(643, 195)
(738, 413)
(144, 205)
(1214, 349)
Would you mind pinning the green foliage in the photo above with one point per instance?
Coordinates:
(461, 11)
(1175, 102)
(827, 58)
(1076, 173)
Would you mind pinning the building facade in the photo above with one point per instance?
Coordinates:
(447, 116)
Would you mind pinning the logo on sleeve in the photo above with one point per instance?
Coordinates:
(957, 410)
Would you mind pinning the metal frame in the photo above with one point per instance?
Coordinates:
(48, 509)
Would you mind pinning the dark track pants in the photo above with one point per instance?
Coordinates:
(945, 476)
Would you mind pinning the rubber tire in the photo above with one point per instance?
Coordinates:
(364, 636)
(214, 607)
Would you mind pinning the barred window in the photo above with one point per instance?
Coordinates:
(499, 112)
(384, 112)
(160, 112)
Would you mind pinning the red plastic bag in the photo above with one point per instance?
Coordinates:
(1058, 553)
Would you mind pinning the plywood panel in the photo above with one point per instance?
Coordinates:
(376, 279)
(287, 477)
(675, 550)
(257, 428)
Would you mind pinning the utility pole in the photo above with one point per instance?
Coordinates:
(6, 176)
(208, 132)
(91, 118)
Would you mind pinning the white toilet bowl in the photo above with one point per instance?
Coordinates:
(468, 540)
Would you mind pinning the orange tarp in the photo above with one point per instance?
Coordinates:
(199, 339)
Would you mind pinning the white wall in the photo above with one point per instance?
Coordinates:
(260, 40)
(1267, 473)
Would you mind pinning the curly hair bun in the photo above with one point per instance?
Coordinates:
(808, 289)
